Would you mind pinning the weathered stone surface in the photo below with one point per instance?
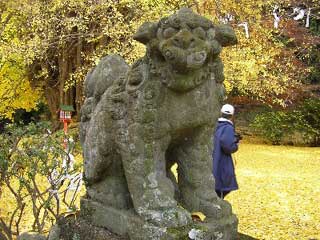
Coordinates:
(128, 224)
(31, 236)
(137, 122)
(54, 233)
(112, 192)
(80, 229)
(117, 220)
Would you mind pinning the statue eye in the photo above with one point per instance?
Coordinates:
(169, 32)
(200, 33)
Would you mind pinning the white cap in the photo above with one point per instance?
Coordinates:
(227, 109)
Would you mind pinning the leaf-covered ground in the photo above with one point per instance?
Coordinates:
(279, 192)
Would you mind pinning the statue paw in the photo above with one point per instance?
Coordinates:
(170, 217)
(217, 209)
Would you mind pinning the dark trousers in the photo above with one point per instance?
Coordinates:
(222, 194)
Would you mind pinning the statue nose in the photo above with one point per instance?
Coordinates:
(183, 39)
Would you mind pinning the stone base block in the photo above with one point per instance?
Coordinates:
(115, 220)
(128, 224)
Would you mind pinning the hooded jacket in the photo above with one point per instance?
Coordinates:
(225, 144)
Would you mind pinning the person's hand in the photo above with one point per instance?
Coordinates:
(238, 137)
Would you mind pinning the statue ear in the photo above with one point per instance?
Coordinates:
(226, 35)
(146, 32)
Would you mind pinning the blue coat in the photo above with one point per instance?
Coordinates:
(223, 168)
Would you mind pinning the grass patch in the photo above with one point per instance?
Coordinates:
(279, 191)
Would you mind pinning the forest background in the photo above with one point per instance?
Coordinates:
(48, 46)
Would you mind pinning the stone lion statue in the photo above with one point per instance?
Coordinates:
(136, 122)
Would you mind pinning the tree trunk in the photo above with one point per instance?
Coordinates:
(52, 96)
(78, 86)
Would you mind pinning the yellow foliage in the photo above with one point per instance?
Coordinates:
(44, 33)
(15, 91)
(199, 215)
(253, 67)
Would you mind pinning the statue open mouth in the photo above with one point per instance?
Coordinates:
(185, 61)
(196, 60)
(185, 68)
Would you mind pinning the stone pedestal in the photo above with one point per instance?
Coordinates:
(127, 224)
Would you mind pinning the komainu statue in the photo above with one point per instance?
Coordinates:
(138, 121)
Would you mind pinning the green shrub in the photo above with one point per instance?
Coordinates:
(308, 115)
(40, 174)
(304, 121)
(270, 125)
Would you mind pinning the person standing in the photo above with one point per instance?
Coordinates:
(225, 143)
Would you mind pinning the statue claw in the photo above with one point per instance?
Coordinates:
(171, 217)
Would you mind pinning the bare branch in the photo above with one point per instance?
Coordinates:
(17, 223)
(6, 229)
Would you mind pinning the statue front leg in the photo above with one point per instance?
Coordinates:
(151, 191)
(196, 181)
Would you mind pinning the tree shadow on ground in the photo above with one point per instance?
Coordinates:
(242, 236)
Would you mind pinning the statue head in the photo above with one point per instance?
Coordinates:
(185, 40)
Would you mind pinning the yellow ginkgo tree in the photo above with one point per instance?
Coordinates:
(54, 44)
(61, 41)
(15, 89)
(260, 65)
